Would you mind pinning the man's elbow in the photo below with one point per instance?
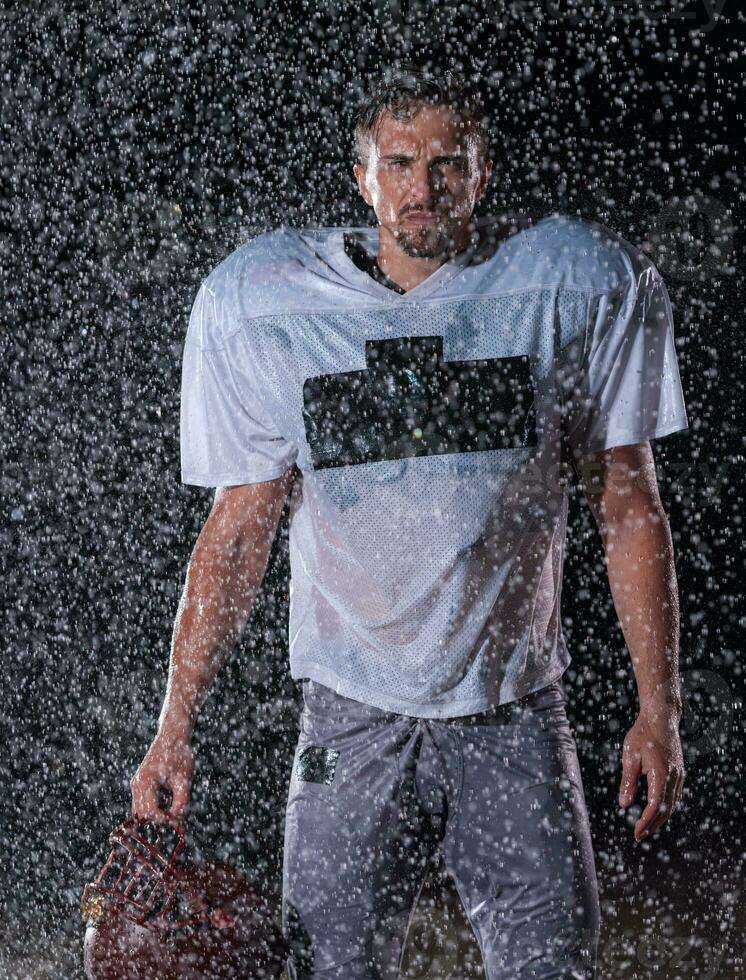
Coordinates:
(622, 491)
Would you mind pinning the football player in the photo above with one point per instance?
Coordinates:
(422, 386)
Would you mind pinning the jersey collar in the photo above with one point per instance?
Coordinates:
(367, 239)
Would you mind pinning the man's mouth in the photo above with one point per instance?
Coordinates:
(422, 217)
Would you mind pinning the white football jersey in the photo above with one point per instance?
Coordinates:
(428, 516)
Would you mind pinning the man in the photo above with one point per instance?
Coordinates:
(422, 386)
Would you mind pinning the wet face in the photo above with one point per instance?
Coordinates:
(423, 179)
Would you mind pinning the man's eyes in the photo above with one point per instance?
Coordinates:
(451, 163)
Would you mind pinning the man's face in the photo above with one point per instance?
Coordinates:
(423, 179)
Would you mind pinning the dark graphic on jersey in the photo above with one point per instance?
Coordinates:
(410, 402)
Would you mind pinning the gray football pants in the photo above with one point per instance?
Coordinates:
(500, 792)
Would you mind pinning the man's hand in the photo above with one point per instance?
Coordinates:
(622, 491)
(166, 771)
(653, 747)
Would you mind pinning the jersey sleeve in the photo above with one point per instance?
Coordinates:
(627, 387)
(227, 436)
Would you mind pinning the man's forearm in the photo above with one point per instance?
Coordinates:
(642, 577)
(223, 578)
(211, 616)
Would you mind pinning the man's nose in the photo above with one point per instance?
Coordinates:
(426, 183)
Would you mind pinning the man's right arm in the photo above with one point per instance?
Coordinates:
(224, 575)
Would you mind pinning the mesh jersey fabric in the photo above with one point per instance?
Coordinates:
(428, 516)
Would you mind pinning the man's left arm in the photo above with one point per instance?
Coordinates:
(622, 491)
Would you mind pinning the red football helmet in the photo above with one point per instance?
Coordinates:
(155, 912)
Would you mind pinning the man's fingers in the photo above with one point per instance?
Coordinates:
(673, 783)
(655, 797)
(180, 792)
(659, 818)
(658, 809)
(630, 777)
(671, 795)
(144, 804)
(162, 782)
(146, 801)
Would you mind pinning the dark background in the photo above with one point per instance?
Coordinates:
(138, 150)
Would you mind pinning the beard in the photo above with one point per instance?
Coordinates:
(426, 241)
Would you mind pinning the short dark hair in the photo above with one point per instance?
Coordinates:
(403, 91)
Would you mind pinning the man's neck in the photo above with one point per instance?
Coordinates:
(408, 271)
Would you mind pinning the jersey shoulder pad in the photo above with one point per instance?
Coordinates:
(243, 286)
(585, 254)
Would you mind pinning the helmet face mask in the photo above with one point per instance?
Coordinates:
(144, 881)
(154, 911)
